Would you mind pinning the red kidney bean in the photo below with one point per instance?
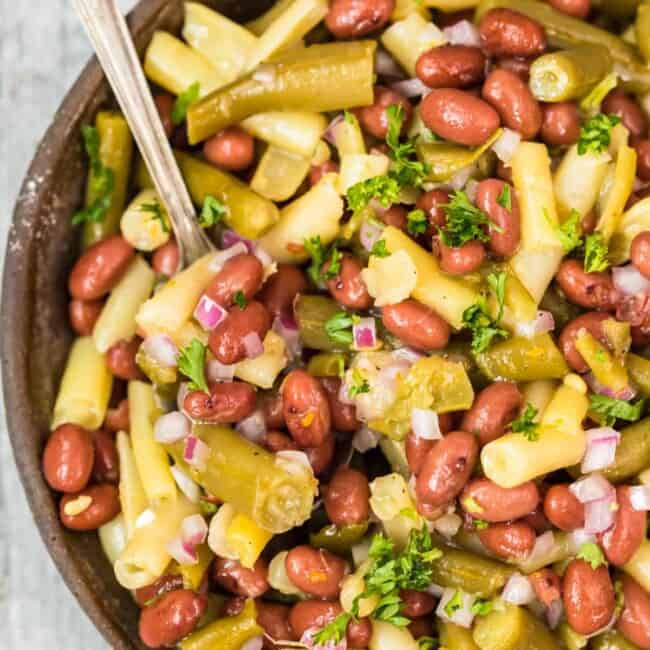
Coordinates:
(560, 124)
(306, 408)
(321, 457)
(347, 497)
(632, 116)
(171, 618)
(640, 253)
(227, 402)
(508, 541)
(226, 340)
(588, 222)
(395, 216)
(504, 172)
(431, 202)
(278, 441)
(100, 268)
(68, 458)
(117, 419)
(318, 171)
(416, 451)
(281, 289)
(504, 241)
(357, 18)
(232, 149)
(547, 585)
(446, 469)
(575, 8)
(640, 338)
(233, 605)
(416, 325)
(490, 502)
(634, 622)
(106, 468)
(240, 274)
(84, 314)
(509, 33)
(271, 405)
(451, 66)
(420, 627)
(643, 159)
(347, 287)
(514, 102)
(104, 505)
(274, 618)
(237, 579)
(165, 258)
(359, 633)
(417, 603)
(463, 259)
(588, 596)
(458, 116)
(563, 509)
(588, 290)
(537, 519)
(592, 322)
(318, 613)
(517, 65)
(166, 583)
(623, 539)
(165, 105)
(374, 118)
(317, 572)
(120, 359)
(494, 408)
(344, 416)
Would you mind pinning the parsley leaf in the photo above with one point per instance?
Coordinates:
(526, 424)
(569, 231)
(481, 607)
(427, 643)
(184, 101)
(339, 328)
(383, 188)
(207, 507)
(379, 249)
(609, 409)
(596, 133)
(592, 554)
(191, 363)
(497, 282)
(319, 256)
(212, 212)
(454, 603)
(359, 384)
(465, 221)
(417, 222)
(240, 299)
(334, 631)
(478, 320)
(480, 524)
(334, 268)
(350, 118)
(596, 252)
(505, 198)
(157, 214)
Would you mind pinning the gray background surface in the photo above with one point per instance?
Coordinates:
(42, 50)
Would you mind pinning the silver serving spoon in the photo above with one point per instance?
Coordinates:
(112, 42)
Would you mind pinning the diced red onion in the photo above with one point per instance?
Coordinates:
(578, 538)
(364, 334)
(182, 552)
(229, 238)
(462, 616)
(307, 640)
(253, 345)
(194, 530)
(629, 281)
(471, 189)
(222, 257)
(601, 449)
(329, 134)
(448, 525)
(386, 66)
(365, 439)
(599, 515)
(183, 390)
(554, 613)
(460, 178)
(377, 207)
(286, 327)
(592, 488)
(640, 497)
(185, 484)
(435, 590)
(408, 354)
(625, 394)
(217, 371)
(506, 145)
(369, 234)
(542, 323)
(253, 427)
(543, 545)
(254, 643)
(172, 427)
(425, 425)
(463, 32)
(414, 87)
(196, 452)
(518, 590)
(161, 349)
(208, 313)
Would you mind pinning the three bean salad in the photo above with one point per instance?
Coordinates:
(402, 406)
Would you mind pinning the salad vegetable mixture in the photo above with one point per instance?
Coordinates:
(402, 405)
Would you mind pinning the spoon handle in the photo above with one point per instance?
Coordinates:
(112, 42)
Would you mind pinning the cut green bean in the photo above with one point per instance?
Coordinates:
(312, 312)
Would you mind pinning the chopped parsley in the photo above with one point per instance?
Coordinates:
(569, 231)
(465, 222)
(417, 222)
(191, 363)
(184, 101)
(592, 554)
(333, 632)
(339, 328)
(596, 252)
(359, 384)
(478, 320)
(157, 214)
(350, 118)
(505, 198)
(427, 643)
(240, 299)
(207, 507)
(471, 505)
(428, 135)
(212, 212)
(596, 133)
(319, 256)
(609, 409)
(379, 249)
(383, 188)
(480, 524)
(526, 425)
(481, 607)
(454, 603)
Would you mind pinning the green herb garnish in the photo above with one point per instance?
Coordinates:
(359, 384)
(379, 249)
(339, 328)
(319, 255)
(592, 554)
(480, 524)
(417, 222)
(334, 631)
(481, 607)
(240, 299)
(526, 425)
(184, 101)
(569, 231)
(596, 133)
(465, 222)
(478, 320)
(212, 212)
(596, 252)
(383, 188)
(505, 198)
(609, 409)
(454, 603)
(191, 363)
(157, 214)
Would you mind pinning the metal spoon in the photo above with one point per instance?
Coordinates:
(112, 42)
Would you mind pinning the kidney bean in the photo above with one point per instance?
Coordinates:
(504, 241)
(588, 222)
(237, 579)
(232, 149)
(446, 469)
(318, 171)
(165, 258)
(623, 539)
(451, 66)
(359, 633)
(166, 583)
(357, 18)
(347, 497)
(274, 618)
(420, 627)
(271, 405)
(458, 116)
(321, 457)
(102, 503)
(575, 8)
(318, 613)
(643, 159)
(344, 416)
(563, 509)
(517, 65)
(547, 585)
(634, 622)
(463, 259)
(347, 287)
(417, 603)
(508, 541)
(632, 116)
(278, 441)
(593, 323)
(117, 419)
(509, 33)
(100, 268)
(84, 314)
(395, 216)
(640, 253)
(234, 605)
(504, 172)
(171, 618)
(374, 118)
(514, 102)
(640, 338)
(106, 468)
(68, 458)
(494, 408)
(499, 504)
(226, 340)
(306, 408)
(416, 451)
(560, 124)
(242, 273)
(317, 572)
(120, 359)
(227, 402)
(588, 596)
(537, 519)
(588, 290)
(431, 202)
(416, 325)
(165, 105)
(281, 289)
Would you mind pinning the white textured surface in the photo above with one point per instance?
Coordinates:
(42, 50)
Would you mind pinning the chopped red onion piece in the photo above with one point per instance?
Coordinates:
(629, 281)
(185, 484)
(194, 530)
(182, 552)
(435, 590)
(625, 394)
(364, 334)
(230, 238)
(183, 390)
(172, 427)
(253, 427)
(460, 178)
(329, 135)
(264, 257)
(365, 439)
(222, 257)
(506, 145)
(411, 87)
(286, 327)
(253, 345)
(463, 616)
(408, 354)
(601, 449)
(543, 545)
(599, 515)
(592, 488)
(542, 323)
(254, 643)
(463, 32)
(386, 66)
(217, 371)
(196, 452)
(369, 234)
(554, 613)
(162, 349)
(378, 208)
(640, 497)
(307, 639)
(518, 590)
(208, 313)
(425, 425)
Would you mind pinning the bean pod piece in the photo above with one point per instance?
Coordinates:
(592, 322)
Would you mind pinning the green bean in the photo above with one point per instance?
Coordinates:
(326, 77)
(312, 312)
(638, 369)
(632, 453)
(571, 639)
(338, 540)
(617, 8)
(395, 453)
(611, 640)
(563, 311)
(558, 552)
(115, 152)
(642, 29)
(513, 628)
(569, 74)
(454, 637)
(327, 364)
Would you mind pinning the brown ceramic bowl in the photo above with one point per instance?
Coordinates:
(41, 249)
